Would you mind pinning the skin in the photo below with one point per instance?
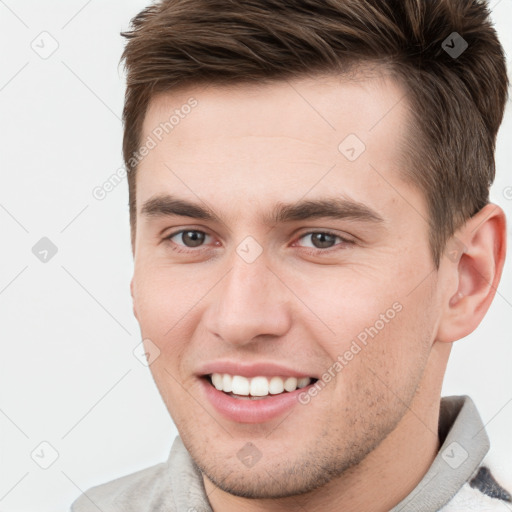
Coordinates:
(240, 151)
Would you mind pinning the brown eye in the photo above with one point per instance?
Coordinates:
(188, 238)
(192, 238)
(322, 240)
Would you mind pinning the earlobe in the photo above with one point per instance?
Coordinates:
(475, 271)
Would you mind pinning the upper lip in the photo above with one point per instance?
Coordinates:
(263, 369)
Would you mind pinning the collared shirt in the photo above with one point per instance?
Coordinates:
(455, 482)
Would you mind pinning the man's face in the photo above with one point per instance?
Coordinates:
(240, 290)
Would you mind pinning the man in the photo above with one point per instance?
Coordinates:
(311, 227)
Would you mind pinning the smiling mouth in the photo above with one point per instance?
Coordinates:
(256, 388)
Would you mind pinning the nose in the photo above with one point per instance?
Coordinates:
(249, 303)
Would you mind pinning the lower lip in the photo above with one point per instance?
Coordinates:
(251, 411)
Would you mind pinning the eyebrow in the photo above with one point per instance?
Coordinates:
(335, 208)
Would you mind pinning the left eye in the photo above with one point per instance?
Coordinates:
(322, 239)
(190, 237)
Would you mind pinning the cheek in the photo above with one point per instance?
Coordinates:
(380, 373)
(164, 312)
(164, 306)
(163, 296)
(355, 308)
(386, 330)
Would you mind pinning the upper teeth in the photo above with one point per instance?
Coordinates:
(257, 386)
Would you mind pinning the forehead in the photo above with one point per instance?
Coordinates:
(277, 141)
(320, 107)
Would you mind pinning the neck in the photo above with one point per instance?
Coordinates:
(385, 477)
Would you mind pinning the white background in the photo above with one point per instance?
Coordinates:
(68, 375)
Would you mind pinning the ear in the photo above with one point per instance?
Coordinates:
(474, 259)
(133, 299)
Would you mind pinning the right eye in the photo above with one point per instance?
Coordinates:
(190, 238)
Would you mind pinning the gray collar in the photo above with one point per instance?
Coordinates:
(464, 447)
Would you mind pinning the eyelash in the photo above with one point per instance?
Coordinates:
(179, 248)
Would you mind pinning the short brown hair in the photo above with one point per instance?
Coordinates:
(457, 101)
